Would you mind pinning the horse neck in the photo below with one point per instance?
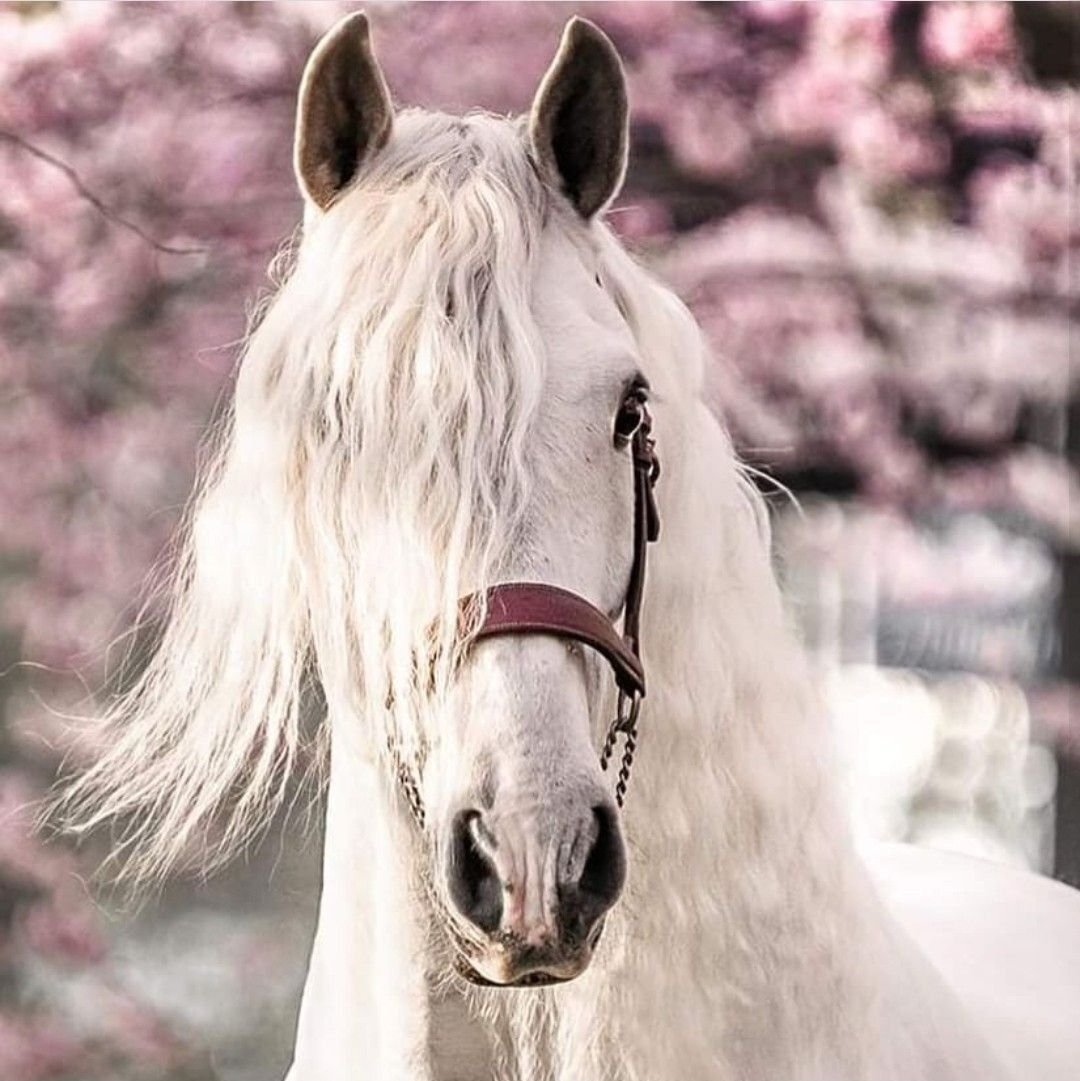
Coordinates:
(364, 1010)
(732, 705)
(746, 904)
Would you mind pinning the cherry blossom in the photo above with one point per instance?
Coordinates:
(868, 206)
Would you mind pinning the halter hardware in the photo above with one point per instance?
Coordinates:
(537, 608)
(515, 608)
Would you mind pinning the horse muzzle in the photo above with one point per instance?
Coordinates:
(532, 899)
(515, 964)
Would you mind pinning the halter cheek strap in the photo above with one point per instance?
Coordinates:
(516, 608)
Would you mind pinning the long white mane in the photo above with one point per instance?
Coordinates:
(381, 407)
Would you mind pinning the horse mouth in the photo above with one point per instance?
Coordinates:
(530, 979)
(536, 975)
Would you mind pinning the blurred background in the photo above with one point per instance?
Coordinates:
(871, 209)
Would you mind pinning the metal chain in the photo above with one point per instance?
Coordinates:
(410, 788)
(625, 723)
(626, 765)
(608, 749)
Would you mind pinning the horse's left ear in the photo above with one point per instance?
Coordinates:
(578, 125)
(344, 113)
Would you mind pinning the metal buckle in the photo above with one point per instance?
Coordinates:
(626, 715)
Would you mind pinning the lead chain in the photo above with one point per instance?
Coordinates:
(626, 765)
(443, 919)
(626, 724)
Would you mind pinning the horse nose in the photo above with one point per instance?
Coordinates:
(585, 895)
(544, 889)
(476, 888)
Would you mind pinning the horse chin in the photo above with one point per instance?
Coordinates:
(511, 965)
(499, 971)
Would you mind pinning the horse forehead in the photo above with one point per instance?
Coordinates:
(579, 321)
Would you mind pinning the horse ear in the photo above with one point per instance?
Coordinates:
(344, 114)
(578, 126)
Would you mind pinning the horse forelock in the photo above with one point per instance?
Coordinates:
(422, 370)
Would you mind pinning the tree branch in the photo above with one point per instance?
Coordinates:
(99, 205)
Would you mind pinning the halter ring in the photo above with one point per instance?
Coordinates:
(626, 715)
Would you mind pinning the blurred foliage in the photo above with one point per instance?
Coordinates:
(867, 204)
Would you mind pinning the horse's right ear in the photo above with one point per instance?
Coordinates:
(344, 114)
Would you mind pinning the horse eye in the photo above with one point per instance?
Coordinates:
(630, 415)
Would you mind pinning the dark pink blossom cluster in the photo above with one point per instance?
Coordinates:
(118, 335)
(144, 184)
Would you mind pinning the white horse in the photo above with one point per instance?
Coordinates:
(442, 398)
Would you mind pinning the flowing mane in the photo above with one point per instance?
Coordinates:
(387, 386)
(380, 409)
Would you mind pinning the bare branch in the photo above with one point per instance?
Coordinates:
(101, 207)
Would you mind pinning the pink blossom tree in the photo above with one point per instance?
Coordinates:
(867, 205)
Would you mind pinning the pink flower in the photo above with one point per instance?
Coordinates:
(708, 136)
(970, 34)
(853, 38)
(885, 149)
(811, 102)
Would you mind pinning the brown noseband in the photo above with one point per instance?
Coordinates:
(538, 608)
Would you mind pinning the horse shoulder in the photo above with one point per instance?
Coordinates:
(1006, 943)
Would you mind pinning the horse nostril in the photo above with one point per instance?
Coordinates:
(602, 877)
(605, 869)
(474, 886)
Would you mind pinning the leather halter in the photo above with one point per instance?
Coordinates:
(515, 608)
(538, 608)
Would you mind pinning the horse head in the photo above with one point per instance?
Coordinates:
(509, 398)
